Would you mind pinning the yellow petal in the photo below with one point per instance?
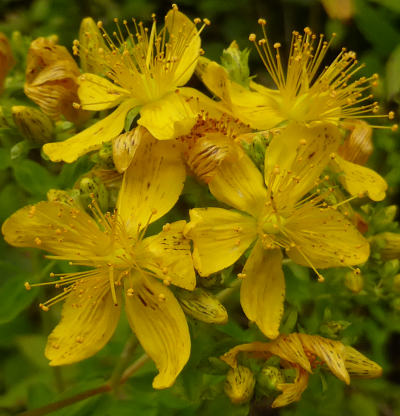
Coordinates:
(160, 325)
(238, 183)
(152, 183)
(359, 180)
(97, 93)
(57, 228)
(325, 238)
(183, 34)
(168, 256)
(262, 293)
(169, 117)
(258, 348)
(90, 139)
(89, 318)
(216, 79)
(291, 392)
(290, 349)
(257, 110)
(332, 352)
(219, 237)
(124, 148)
(358, 365)
(295, 159)
(260, 111)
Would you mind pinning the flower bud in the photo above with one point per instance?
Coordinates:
(90, 41)
(255, 145)
(268, 379)
(239, 384)
(396, 283)
(6, 59)
(20, 149)
(124, 147)
(51, 80)
(354, 281)
(93, 188)
(104, 157)
(203, 306)
(339, 9)
(333, 329)
(236, 62)
(388, 245)
(33, 124)
(70, 197)
(358, 147)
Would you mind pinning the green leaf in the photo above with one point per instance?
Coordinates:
(5, 159)
(374, 24)
(393, 74)
(34, 178)
(130, 117)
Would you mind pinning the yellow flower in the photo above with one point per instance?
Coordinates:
(304, 352)
(51, 80)
(304, 93)
(121, 261)
(6, 59)
(146, 71)
(280, 215)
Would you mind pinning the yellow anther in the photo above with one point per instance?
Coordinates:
(332, 156)
(130, 292)
(357, 271)
(252, 37)
(77, 106)
(326, 178)
(395, 127)
(241, 275)
(276, 170)
(391, 115)
(174, 6)
(262, 21)
(44, 308)
(79, 339)
(197, 20)
(167, 281)
(166, 227)
(161, 297)
(277, 45)
(27, 286)
(99, 24)
(38, 241)
(302, 142)
(207, 22)
(321, 278)
(164, 270)
(52, 274)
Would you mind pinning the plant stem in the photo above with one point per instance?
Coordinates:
(125, 357)
(140, 362)
(106, 387)
(67, 402)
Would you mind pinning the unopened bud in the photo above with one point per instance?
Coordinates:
(124, 147)
(333, 329)
(358, 147)
(6, 59)
(203, 306)
(20, 149)
(255, 145)
(70, 197)
(396, 283)
(388, 245)
(90, 41)
(104, 157)
(236, 62)
(268, 379)
(354, 281)
(33, 124)
(239, 384)
(93, 188)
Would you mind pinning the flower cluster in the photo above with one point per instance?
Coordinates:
(282, 166)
